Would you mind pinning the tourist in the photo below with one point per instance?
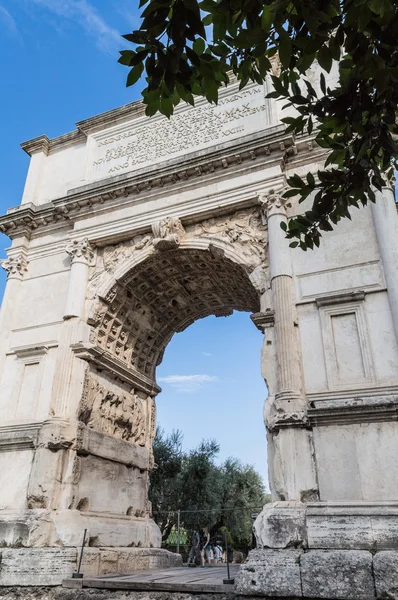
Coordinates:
(204, 542)
(218, 553)
(195, 554)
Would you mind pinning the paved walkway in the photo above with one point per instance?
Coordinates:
(182, 579)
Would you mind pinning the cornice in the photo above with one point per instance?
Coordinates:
(104, 360)
(23, 436)
(371, 409)
(37, 144)
(44, 144)
(262, 320)
(266, 148)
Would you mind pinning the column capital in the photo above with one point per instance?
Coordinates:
(273, 203)
(80, 251)
(16, 266)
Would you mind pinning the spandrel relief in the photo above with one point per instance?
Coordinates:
(116, 254)
(243, 229)
(109, 408)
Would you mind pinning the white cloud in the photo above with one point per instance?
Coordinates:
(207, 354)
(87, 17)
(9, 22)
(188, 383)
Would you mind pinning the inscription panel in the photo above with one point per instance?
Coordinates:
(146, 141)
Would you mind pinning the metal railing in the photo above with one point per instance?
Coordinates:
(180, 535)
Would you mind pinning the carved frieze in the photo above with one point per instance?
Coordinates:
(108, 408)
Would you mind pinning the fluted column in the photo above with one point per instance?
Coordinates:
(81, 254)
(281, 275)
(292, 472)
(385, 219)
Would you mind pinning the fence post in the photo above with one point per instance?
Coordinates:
(178, 530)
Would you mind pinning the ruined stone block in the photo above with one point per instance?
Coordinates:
(270, 573)
(337, 575)
(385, 568)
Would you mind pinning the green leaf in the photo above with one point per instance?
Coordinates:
(199, 46)
(323, 83)
(334, 47)
(166, 106)
(266, 19)
(136, 37)
(279, 87)
(134, 75)
(211, 90)
(325, 58)
(125, 57)
(284, 48)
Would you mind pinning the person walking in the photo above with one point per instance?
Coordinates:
(218, 553)
(195, 553)
(204, 543)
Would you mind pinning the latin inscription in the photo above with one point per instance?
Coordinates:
(134, 146)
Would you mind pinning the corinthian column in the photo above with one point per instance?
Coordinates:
(291, 466)
(82, 254)
(281, 275)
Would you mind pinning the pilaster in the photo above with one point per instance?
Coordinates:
(16, 266)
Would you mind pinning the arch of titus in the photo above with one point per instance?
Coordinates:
(129, 230)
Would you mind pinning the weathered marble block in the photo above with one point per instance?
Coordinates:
(270, 573)
(337, 575)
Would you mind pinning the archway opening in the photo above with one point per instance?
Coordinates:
(162, 296)
(165, 294)
(212, 388)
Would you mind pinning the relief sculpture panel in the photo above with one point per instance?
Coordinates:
(113, 409)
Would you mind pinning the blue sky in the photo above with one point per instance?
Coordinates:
(58, 62)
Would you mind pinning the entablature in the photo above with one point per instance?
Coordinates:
(263, 150)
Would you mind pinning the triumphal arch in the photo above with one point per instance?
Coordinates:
(129, 230)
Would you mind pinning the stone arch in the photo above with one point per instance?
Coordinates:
(231, 252)
(154, 294)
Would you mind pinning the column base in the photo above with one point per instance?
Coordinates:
(41, 528)
(296, 573)
(339, 551)
(40, 567)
